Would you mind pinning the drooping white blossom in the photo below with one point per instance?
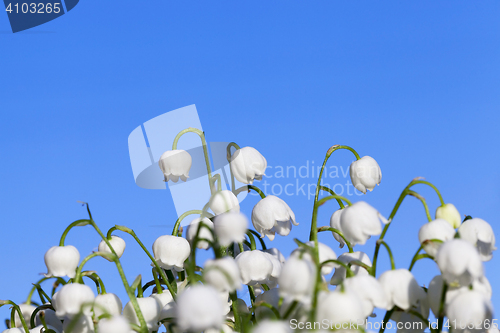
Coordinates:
(204, 233)
(116, 242)
(369, 291)
(199, 308)
(335, 223)
(175, 164)
(479, 233)
(222, 274)
(247, 165)
(297, 280)
(437, 229)
(365, 174)
(470, 309)
(224, 201)
(107, 303)
(115, 324)
(255, 267)
(150, 309)
(170, 252)
(230, 227)
(62, 261)
(459, 262)
(339, 308)
(359, 222)
(27, 310)
(449, 213)
(346, 258)
(325, 254)
(401, 288)
(272, 215)
(70, 299)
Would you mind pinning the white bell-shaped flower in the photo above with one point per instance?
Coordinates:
(230, 227)
(479, 233)
(346, 258)
(335, 223)
(337, 308)
(409, 322)
(248, 164)
(449, 213)
(175, 164)
(70, 299)
(83, 324)
(107, 303)
(115, 324)
(204, 233)
(297, 280)
(272, 215)
(255, 267)
(277, 254)
(224, 201)
(459, 262)
(359, 222)
(164, 298)
(276, 271)
(50, 318)
(401, 288)
(469, 311)
(272, 326)
(170, 252)
(150, 309)
(222, 274)
(437, 229)
(369, 291)
(325, 253)
(14, 330)
(62, 261)
(116, 242)
(365, 174)
(199, 308)
(27, 310)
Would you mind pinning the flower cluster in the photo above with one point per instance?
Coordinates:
(313, 285)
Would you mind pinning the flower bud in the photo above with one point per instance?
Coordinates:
(248, 164)
(230, 227)
(116, 242)
(437, 229)
(365, 174)
(449, 213)
(479, 233)
(175, 164)
(271, 215)
(170, 252)
(62, 261)
(224, 201)
(359, 222)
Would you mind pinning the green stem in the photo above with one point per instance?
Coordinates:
(414, 259)
(97, 280)
(252, 240)
(159, 289)
(382, 242)
(38, 309)
(290, 309)
(248, 188)
(349, 272)
(19, 312)
(228, 156)
(216, 178)
(202, 213)
(386, 319)
(441, 313)
(325, 228)
(422, 199)
(269, 306)
(236, 312)
(78, 223)
(261, 240)
(418, 256)
(205, 149)
(329, 190)
(78, 276)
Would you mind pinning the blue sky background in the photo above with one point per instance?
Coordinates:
(414, 84)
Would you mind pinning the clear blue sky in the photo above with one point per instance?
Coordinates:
(414, 84)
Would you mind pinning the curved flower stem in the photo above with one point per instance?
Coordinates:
(361, 264)
(38, 309)
(202, 213)
(97, 280)
(269, 306)
(248, 188)
(261, 240)
(78, 275)
(205, 149)
(418, 256)
(252, 295)
(252, 240)
(77, 223)
(290, 310)
(349, 272)
(329, 190)
(395, 210)
(228, 157)
(19, 312)
(44, 298)
(158, 268)
(30, 295)
(313, 233)
(213, 180)
(414, 259)
(422, 199)
(386, 319)
(159, 289)
(325, 228)
(391, 257)
(419, 316)
(441, 307)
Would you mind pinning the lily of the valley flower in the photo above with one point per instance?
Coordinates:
(468, 309)
(84, 324)
(339, 308)
(248, 164)
(437, 229)
(449, 213)
(335, 223)
(325, 253)
(255, 267)
(62, 261)
(272, 326)
(108, 302)
(115, 324)
(222, 274)
(401, 288)
(459, 262)
(175, 164)
(230, 227)
(116, 242)
(26, 310)
(359, 222)
(50, 318)
(346, 258)
(150, 309)
(199, 308)
(479, 233)
(70, 299)
(369, 291)
(272, 215)
(297, 280)
(170, 252)
(204, 233)
(224, 201)
(365, 174)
